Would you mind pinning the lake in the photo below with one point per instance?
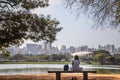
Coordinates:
(21, 69)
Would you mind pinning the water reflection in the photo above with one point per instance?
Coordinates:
(26, 71)
(106, 71)
(20, 69)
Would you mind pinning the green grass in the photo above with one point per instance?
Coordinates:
(37, 62)
(40, 63)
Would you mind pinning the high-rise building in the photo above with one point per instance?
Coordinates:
(84, 48)
(101, 47)
(32, 49)
(63, 49)
(44, 45)
(71, 49)
(78, 49)
(118, 50)
(110, 48)
(49, 45)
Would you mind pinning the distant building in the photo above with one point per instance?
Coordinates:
(63, 49)
(78, 49)
(54, 50)
(82, 48)
(22, 50)
(46, 47)
(13, 50)
(118, 50)
(49, 45)
(110, 48)
(91, 49)
(32, 49)
(82, 53)
(71, 49)
(101, 47)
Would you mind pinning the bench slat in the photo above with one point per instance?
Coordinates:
(71, 71)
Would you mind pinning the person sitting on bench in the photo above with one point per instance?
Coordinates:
(75, 64)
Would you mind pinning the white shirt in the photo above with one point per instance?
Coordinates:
(75, 65)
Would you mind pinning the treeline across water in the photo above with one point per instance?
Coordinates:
(35, 58)
(101, 57)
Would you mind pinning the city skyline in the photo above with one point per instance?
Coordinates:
(42, 43)
(77, 31)
(47, 48)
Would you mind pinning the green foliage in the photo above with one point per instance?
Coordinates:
(39, 58)
(5, 53)
(103, 57)
(101, 51)
(100, 58)
(53, 57)
(18, 23)
(105, 12)
(37, 62)
(16, 57)
(117, 59)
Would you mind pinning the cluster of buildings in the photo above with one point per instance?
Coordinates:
(47, 48)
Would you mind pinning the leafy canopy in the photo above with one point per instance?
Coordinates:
(106, 13)
(18, 23)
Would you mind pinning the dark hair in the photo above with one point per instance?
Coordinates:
(66, 67)
(76, 57)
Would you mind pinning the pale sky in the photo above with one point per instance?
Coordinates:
(77, 32)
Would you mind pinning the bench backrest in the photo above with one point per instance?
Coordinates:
(72, 71)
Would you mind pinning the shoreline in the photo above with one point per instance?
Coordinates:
(64, 76)
(36, 62)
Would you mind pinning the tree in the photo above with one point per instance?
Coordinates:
(104, 12)
(110, 60)
(100, 58)
(4, 55)
(101, 51)
(103, 57)
(17, 57)
(117, 59)
(18, 23)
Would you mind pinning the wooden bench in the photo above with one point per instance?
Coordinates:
(58, 73)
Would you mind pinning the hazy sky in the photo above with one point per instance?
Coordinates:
(77, 32)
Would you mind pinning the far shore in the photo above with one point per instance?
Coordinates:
(37, 62)
(64, 77)
(43, 62)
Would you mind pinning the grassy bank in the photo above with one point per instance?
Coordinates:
(36, 62)
(39, 63)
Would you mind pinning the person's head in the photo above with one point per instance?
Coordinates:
(76, 57)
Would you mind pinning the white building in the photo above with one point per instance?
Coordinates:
(82, 53)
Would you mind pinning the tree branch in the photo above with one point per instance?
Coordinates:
(5, 2)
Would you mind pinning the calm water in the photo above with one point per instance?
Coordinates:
(16, 69)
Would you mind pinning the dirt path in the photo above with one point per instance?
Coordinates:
(64, 77)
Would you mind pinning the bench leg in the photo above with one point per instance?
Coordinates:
(85, 76)
(74, 78)
(58, 76)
